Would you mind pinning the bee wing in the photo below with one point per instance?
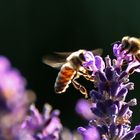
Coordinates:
(54, 60)
(97, 51)
(57, 59)
(64, 54)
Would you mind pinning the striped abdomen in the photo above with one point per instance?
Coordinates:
(64, 78)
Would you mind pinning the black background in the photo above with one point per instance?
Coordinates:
(30, 29)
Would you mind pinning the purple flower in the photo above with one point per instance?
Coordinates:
(82, 108)
(127, 57)
(106, 109)
(13, 100)
(89, 133)
(93, 63)
(46, 126)
(19, 120)
(111, 111)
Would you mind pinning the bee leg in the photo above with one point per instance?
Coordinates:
(125, 62)
(86, 75)
(131, 59)
(79, 87)
(131, 71)
(89, 77)
(138, 57)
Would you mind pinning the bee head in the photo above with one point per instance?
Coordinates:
(82, 57)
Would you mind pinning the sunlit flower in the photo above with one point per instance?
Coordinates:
(111, 86)
(106, 110)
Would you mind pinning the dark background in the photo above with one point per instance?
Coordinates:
(30, 29)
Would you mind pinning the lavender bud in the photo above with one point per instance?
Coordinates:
(89, 133)
(113, 88)
(97, 112)
(129, 136)
(113, 130)
(137, 129)
(122, 93)
(120, 130)
(99, 63)
(119, 104)
(108, 61)
(95, 95)
(109, 73)
(113, 110)
(132, 102)
(102, 87)
(102, 76)
(118, 70)
(81, 129)
(116, 48)
(123, 110)
(130, 86)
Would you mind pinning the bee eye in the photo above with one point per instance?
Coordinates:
(81, 56)
(88, 68)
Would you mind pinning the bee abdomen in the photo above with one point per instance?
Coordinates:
(64, 78)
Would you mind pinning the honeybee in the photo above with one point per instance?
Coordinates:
(131, 45)
(70, 64)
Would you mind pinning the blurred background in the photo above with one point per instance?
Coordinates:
(30, 29)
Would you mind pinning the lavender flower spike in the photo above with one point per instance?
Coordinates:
(111, 111)
(43, 127)
(15, 122)
(13, 100)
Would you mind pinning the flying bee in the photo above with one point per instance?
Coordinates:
(132, 46)
(70, 64)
